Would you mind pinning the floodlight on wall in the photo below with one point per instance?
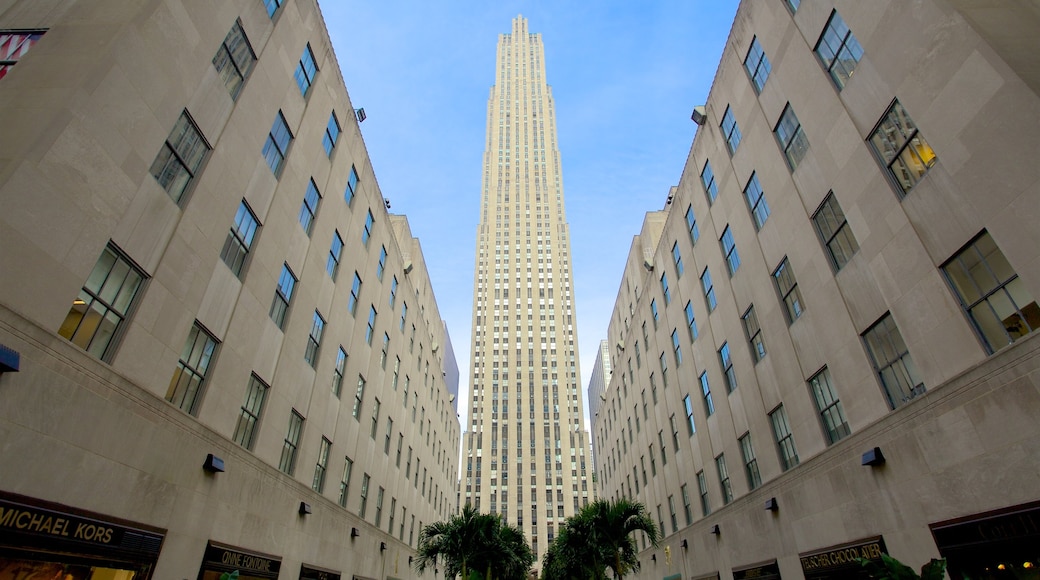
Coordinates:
(386, 202)
(648, 263)
(771, 504)
(654, 558)
(354, 533)
(213, 464)
(407, 266)
(715, 530)
(700, 115)
(361, 116)
(10, 360)
(685, 545)
(305, 508)
(382, 546)
(873, 458)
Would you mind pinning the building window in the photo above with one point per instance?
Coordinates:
(757, 65)
(335, 251)
(788, 288)
(318, 484)
(355, 294)
(747, 451)
(675, 432)
(337, 373)
(367, 233)
(664, 289)
(832, 414)
(331, 134)
(96, 318)
(404, 315)
(687, 510)
(895, 367)
(364, 495)
(688, 405)
(702, 488)
(381, 265)
(754, 334)
(277, 145)
(309, 209)
(314, 340)
(709, 406)
(14, 45)
(676, 348)
(185, 388)
(756, 201)
(306, 70)
(729, 250)
(393, 293)
(727, 368)
(691, 323)
(664, 373)
(691, 224)
(352, 181)
(389, 433)
(784, 439)
(653, 311)
(793, 5)
(371, 330)
(344, 482)
(249, 417)
(791, 137)
(902, 148)
(671, 512)
(727, 490)
(282, 296)
(287, 463)
(708, 179)
(839, 51)
(385, 351)
(180, 158)
(240, 239)
(677, 259)
(272, 6)
(709, 289)
(234, 60)
(991, 293)
(379, 506)
(358, 396)
(835, 232)
(730, 131)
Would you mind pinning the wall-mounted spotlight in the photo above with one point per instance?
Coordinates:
(715, 530)
(305, 508)
(771, 504)
(361, 116)
(700, 115)
(685, 545)
(874, 457)
(654, 558)
(354, 533)
(409, 560)
(382, 546)
(213, 464)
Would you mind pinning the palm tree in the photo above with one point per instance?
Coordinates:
(472, 540)
(599, 537)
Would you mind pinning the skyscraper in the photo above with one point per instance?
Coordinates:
(526, 414)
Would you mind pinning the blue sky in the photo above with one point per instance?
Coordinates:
(625, 77)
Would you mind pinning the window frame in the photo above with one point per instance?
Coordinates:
(310, 355)
(309, 208)
(753, 332)
(795, 145)
(281, 298)
(709, 290)
(291, 444)
(711, 190)
(843, 44)
(276, 149)
(729, 251)
(304, 74)
(914, 138)
(239, 242)
(691, 225)
(225, 60)
(194, 363)
(785, 446)
(828, 407)
(332, 133)
(793, 310)
(758, 206)
(904, 359)
(830, 206)
(732, 135)
(187, 135)
(247, 426)
(758, 66)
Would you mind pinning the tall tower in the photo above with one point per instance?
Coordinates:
(526, 448)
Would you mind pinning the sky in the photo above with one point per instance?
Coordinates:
(625, 77)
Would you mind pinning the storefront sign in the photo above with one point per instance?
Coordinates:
(26, 520)
(763, 571)
(226, 558)
(827, 561)
(992, 527)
